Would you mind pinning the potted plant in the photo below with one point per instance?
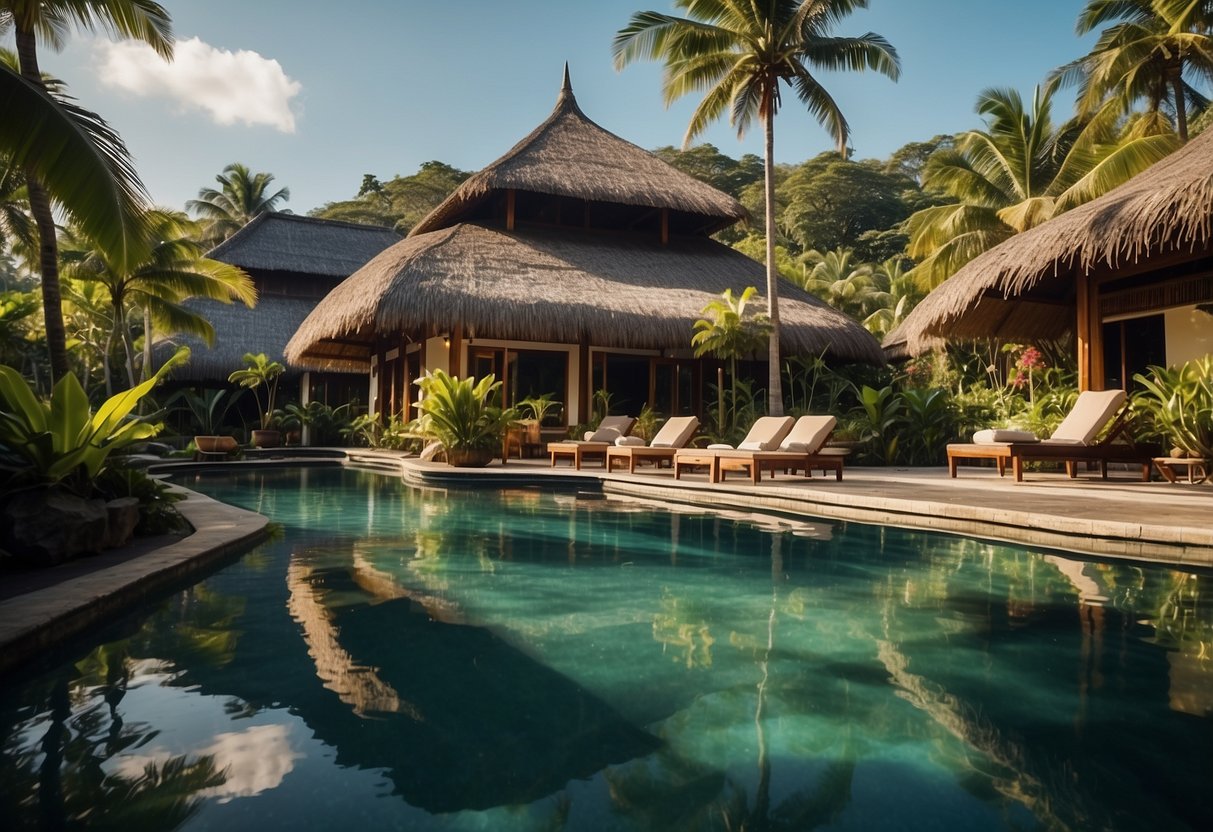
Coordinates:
(1179, 402)
(207, 409)
(260, 373)
(462, 416)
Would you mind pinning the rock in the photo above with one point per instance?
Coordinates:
(45, 527)
(122, 517)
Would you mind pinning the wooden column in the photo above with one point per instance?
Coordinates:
(1095, 342)
(456, 350)
(587, 379)
(665, 226)
(1082, 332)
(509, 209)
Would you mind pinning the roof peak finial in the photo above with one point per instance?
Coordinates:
(567, 86)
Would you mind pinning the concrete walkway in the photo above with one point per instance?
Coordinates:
(1119, 518)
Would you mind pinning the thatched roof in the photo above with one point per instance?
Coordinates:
(238, 330)
(533, 285)
(304, 245)
(1024, 287)
(569, 155)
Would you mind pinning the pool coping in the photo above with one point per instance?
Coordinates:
(35, 621)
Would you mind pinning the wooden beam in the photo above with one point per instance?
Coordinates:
(509, 209)
(665, 226)
(587, 379)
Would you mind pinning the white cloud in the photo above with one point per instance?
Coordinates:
(232, 86)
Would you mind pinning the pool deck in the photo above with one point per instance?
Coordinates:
(1121, 517)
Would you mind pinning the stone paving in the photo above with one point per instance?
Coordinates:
(1120, 517)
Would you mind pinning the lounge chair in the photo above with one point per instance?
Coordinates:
(595, 443)
(800, 450)
(765, 435)
(1073, 441)
(674, 434)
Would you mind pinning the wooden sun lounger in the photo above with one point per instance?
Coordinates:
(755, 462)
(578, 452)
(1101, 453)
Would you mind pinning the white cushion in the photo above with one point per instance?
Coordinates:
(995, 436)
(808, 434)
(629, 440)
(676, 432)
(1091, 412)
(719, 446)
(753, 445)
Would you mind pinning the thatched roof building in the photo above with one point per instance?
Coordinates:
(575, 237)
(1145, 246)
(294, 261)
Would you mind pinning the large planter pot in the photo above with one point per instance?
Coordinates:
(469, 457)
(215, 444)
(266, 438)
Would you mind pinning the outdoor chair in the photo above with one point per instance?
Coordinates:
(1073, 442)
(765, 435)
(674, 434)
(595, 443)
(800, 450)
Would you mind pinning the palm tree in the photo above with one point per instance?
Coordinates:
(900, 296)
(729, 333)
(737, 52)
(847, 286)
(241, 196)
(69, 154)
(175, 271)
(1014, 175)
(1143, 57)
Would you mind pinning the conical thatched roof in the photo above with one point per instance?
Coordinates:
(569, 155)
(532, 285)
(1024, 287)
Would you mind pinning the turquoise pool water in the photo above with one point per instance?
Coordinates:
(467, 660)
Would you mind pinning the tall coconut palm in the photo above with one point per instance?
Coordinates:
(737, 52)
(1018, 172)
(174, 272)
(899, 294)
(118, 191)
(241, 196)
(1143, 57)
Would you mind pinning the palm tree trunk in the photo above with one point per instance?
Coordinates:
(774, 384)
(48, 244)
(1181, 106)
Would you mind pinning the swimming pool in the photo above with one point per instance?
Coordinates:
(527, 659)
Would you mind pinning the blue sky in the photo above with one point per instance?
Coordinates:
(319, 93)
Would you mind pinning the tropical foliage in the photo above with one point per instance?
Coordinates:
(1179, 403)
(260, 375)
(63, 441)
(69, 155)
(399, 203)
(462, 414)
(1021, 170)
(738, 55)
(729, 332)
(1142, 58)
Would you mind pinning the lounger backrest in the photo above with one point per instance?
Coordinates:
(808, 434)
(676, 432)
(611, 428)
(766, 433)
(1091, 412)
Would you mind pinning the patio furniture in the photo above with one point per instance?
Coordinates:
(765, 435)
(595, 444)
(674, 434)
(1073, 441)
(800, 450)
(1194, 469)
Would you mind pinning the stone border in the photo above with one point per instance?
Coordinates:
(32, 623)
